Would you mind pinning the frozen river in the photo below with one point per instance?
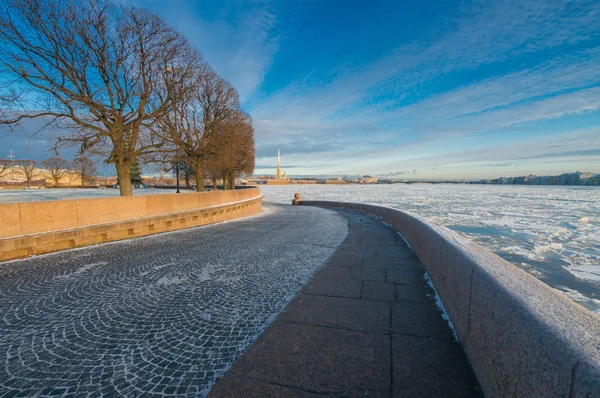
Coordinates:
(551, 232)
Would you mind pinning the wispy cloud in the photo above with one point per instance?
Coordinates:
(564, 75)
(507, 164)
(239, 39)
(490, 32)
(272, 167)
(567, 144)
(398, 173)
(365, 116)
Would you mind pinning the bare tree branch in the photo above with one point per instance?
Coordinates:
(85, 168)
(106, 71)
(5, 166)
(57, 167)
(29, 170)
(192, 128)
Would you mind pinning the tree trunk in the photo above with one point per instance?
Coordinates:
(214, 182)
(199, 177)
(199, 182)
(225, 175)
(231, 180)
(124, 175)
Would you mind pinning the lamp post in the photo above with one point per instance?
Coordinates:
(169, 70)
(177, 175)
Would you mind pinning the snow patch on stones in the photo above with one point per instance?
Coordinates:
(440, 306)
(169, 281)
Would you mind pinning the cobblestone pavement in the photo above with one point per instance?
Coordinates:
(366, 325)
(159, 316)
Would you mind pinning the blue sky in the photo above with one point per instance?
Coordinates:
(416, 89)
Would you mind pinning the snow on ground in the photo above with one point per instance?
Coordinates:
(551, 232)
(35, 195)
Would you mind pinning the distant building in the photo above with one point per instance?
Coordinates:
(16, 175)
(368, 180)
(577, 178)
(303, 181)
(552, 180)
(569, 179)
(529, 179)
(595, 180)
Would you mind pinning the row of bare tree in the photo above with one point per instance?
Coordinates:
(56, 167)
(119, 83)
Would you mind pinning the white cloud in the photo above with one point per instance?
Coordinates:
(493, 32)
(494, 118)
(347, 122)
(562, 75)
(239, 42)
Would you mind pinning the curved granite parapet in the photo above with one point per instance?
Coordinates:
(32, 228)
(522, 337)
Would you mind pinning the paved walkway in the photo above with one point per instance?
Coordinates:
(365, 325)
(160, 316)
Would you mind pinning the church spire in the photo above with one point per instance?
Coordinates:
(278, 174)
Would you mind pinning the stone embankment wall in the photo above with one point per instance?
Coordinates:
(522, 337)
(40, 227)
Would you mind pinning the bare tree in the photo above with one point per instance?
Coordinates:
(57, 167)
(85, 168)
(215, 176)
(192, 124)
(188, 173)
(29, 170)
(245, 160)
(234, 150)
(105, 72)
